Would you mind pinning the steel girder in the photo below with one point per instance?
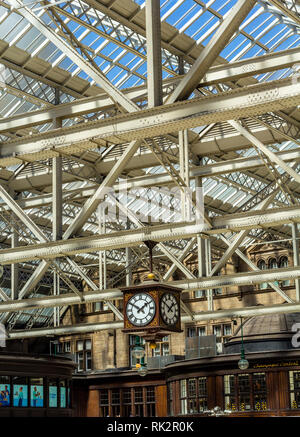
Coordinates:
(102, 102)
(235, 104)
(204, 283)
(131, 238)
(200, 317)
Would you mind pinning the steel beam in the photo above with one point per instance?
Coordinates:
(204, 283)
(256, 269)
(92, 203)
(14, 267)
(283, 7)
(209, 54)
(199, 317)
(94, 287)
(102, 102)
(154, 67)
(208, 170)
(272, 156)
(234, 71)
(20, 213)
(181, 258)
(237, 103)
(159, 233)
(72, 54)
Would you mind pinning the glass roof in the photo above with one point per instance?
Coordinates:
(120, 52)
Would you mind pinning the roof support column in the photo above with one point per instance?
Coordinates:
(204, 253)
(200, 241)
(296, 255)
(14, 268)
(57, 221)
(184, 172)
(128, 256)
(209, 293)
(154, 67)
(102, 254)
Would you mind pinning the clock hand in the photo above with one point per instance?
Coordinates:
(135, 306)
(169, 307)
(142, 308)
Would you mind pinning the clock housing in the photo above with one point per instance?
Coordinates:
(151, 309)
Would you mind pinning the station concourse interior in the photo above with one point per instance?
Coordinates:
(149, 208)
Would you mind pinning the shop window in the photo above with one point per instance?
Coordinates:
(294, 388)
(115, 402)
(4, 391)
(183, 396)
(162, 348)
(52, 393)
(199, 293)
(193, 395)
(84, 355)
(36, 392)
(63, 394)
(150, 401)
(259, 391)
(229, 392)
(262, 266)
(69, 398)
(104, 404)
(202, 394)
(20, 390)
(139, 402)
(127, 408)
(128, 402)
(245, 392)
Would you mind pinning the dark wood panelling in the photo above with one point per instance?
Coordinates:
(93, 403)
(283, 390)
(161, 400)
(219, 397)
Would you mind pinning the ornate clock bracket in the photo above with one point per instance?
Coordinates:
(151, 244)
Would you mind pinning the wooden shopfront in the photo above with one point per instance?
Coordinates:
(269, 387)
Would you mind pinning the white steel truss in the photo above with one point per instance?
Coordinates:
(93, 97)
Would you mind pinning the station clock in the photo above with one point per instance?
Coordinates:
(151, 309)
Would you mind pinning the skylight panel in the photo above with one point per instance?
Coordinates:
(223, 7)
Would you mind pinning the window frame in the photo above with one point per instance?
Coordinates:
(85, 355)
(236, 394)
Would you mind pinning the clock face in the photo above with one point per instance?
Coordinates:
(140, 309)
(169, 309)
